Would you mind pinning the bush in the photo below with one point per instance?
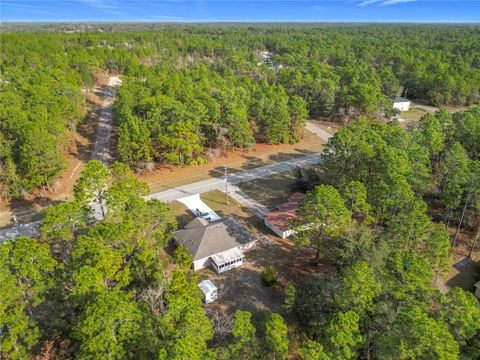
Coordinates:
(269, 276)
(182, 257)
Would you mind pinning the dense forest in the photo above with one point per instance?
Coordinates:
(367, 215)
(110, 290)
(192, 88)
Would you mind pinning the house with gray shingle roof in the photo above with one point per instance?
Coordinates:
(220, 243)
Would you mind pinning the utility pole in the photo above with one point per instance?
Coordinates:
(16, 223)
(226, 182)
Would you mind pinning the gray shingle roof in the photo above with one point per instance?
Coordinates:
(203, 239)
(396, 98)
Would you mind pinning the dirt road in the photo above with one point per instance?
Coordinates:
(101, 148)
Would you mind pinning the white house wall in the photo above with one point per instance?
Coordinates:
(202, 263)
(402, 106)
(283, 234)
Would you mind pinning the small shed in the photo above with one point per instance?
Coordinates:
(477, 289)
(209, 291)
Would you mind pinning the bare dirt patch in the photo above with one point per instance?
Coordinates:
(242, 288)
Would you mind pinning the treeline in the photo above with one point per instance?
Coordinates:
(339, 71)
(40, 100)
(173, 116)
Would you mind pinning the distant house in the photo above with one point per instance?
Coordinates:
(279, 220)
(400, 103)
(219, 243)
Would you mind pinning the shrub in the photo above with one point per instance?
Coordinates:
(182, 257)
(269, 276)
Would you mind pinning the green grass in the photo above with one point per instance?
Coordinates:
(180, 212)
(412, 114)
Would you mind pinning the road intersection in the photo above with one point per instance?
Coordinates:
(102, 148)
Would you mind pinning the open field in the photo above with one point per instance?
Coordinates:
(167, 177)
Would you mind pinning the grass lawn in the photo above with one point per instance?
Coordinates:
(412, 115)
(180, 212)
(271, 191)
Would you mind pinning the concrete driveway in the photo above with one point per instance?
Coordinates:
(196, 206)
(427, 108)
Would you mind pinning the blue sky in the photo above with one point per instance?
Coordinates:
(242, 10)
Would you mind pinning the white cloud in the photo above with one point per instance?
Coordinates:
(369, 2)
(393, 2)
(383, 2)
(101, 4)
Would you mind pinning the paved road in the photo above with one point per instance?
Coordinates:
(236, 178)
(317, 131)
(194, 188)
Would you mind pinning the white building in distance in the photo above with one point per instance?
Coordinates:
(400, 103)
